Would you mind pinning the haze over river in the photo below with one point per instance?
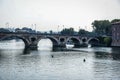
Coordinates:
(44, 64)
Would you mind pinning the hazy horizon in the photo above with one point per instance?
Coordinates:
(48, 14)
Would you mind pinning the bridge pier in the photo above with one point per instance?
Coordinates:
(31, 47)
(57, 47)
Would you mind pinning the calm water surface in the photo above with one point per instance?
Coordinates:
(44, 64)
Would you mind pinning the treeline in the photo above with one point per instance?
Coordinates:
(24, 29)
(71, 31)
(100, 28)
(103, 27)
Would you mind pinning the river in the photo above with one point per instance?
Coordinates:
(101, 63)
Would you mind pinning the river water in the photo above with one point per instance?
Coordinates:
(44, 64)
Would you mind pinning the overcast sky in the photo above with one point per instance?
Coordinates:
(48, 14)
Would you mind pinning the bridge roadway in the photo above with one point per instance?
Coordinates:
(31, 39)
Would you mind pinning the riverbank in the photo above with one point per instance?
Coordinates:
(109, 50)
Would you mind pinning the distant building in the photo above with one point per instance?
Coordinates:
(116, 34)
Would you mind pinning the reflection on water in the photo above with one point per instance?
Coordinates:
(45, 44)
(12, 44)
(19, 64)
(95, 49)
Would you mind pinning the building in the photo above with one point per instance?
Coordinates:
(116, 34)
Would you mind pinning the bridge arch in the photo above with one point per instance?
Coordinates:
(54, 40)
(75, 40)
(26, 42)
(84, 39)
(33, 38)
(93, 41)
(62, 39)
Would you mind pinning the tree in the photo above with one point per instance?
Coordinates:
(27, 29)
(115, 20)
(102, 27)
(4, 30)
(82, 32)
(51, 32)
(68, 31)
(107, 41)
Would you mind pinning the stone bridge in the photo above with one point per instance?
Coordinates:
(31, 39)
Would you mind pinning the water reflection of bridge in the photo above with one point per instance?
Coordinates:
(31, 39)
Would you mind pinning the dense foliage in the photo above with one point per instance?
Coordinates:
(115, 20)
(68, 31)
(107, 41)
(102, 27)
(4, 30)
